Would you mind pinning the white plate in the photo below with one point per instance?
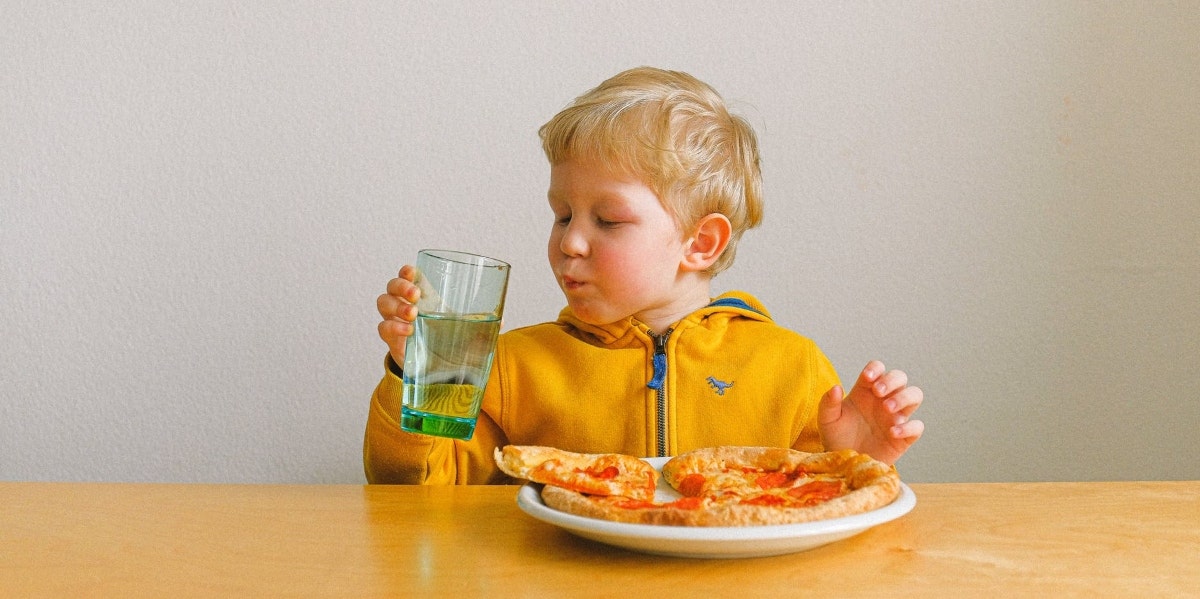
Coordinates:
(712, 541)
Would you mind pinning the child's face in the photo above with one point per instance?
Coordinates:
(614, 249)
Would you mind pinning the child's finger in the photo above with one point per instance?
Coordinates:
(404, 289)
(830, 408)
(909, 431)
(889, 382)
(870, 373)
(905, 401)
(394, 332)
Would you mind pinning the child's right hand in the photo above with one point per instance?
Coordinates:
(398, 307)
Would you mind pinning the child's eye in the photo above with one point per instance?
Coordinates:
(606, 224)
(562, 221)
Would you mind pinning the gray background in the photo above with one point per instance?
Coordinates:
(199, 203)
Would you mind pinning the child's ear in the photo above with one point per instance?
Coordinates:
(709, 240)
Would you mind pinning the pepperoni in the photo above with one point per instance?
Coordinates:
(764, 499)
(686, 503)
(816, 491)
(608, 473)
(692, 485)
(773, 480)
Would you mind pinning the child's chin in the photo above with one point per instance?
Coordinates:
(590, 316)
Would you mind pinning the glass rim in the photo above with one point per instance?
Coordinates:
(467, 258)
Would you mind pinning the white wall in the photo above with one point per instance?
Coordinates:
(199, 204)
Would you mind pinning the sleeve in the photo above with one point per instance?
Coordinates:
(823, 377)
(395, 456)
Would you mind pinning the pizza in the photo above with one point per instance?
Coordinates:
(609, 474)
(728, 486)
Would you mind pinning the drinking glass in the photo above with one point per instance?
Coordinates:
(449, 355)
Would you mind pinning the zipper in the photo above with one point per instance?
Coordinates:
(659, 383)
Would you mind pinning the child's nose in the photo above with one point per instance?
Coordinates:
(573, 242)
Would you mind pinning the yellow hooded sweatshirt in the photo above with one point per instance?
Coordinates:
(724, 375)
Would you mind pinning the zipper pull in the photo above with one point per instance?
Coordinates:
(659, 360)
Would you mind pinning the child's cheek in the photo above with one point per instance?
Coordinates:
(616, 265)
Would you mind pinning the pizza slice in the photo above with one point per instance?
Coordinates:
(770, 485)
(599, 474)
(761, 475)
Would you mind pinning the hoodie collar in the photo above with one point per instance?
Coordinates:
(734, 303)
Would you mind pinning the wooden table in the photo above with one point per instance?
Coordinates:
(1135, 539)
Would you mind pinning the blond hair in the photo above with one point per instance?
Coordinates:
(674, 133)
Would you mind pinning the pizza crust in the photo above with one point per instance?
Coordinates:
(614, 510)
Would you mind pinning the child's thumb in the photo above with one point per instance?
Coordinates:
(830, 408)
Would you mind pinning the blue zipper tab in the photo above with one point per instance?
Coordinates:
(660, 371)
(659, 360)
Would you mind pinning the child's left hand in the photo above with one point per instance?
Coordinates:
(874, 417)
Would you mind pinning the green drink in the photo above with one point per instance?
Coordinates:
(446, 365)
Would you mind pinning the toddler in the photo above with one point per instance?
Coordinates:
(652, 183)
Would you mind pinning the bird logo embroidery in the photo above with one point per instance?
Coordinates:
(718, 385)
